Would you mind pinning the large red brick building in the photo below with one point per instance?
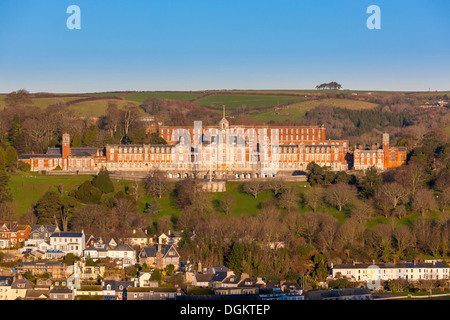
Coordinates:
(225, 151)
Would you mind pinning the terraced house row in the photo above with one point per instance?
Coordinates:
(223, 151)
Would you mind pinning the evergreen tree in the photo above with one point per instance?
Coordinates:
(5, 192)
(153, 208)
(315, 174)
(103, 182)
(90, 137)
(87, 193)
(76, 141)
(2, 159)
(10, 156)
(235, 261)
(16, 136)
(48, 208)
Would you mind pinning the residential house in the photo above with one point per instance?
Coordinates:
(36, 247)
(144, 279)
(124, 254)
(54, 254)
(90, 272)
(5, 287)
(171, 237)
(96, 251)
(208, 277)
(39, 234)
(411, 271)
(55, 270)
(116, 290)
(61, 294)
(68, 242)
(19, 289)
(160, 256)
(13, 234)
(37, 294)
(139, 238)
(153, 293)
(108, 242)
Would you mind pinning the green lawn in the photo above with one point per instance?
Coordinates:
(298, 110)
(232, 101)
(27, 188)
(141, 96)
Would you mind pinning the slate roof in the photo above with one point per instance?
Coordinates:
(54, 151)
(21, 284)
(48, 228)
(83, 152)
(151, 251)
(31, 156)
(67, 234)
(123, 247)
(220, 268)
(219, 276)
(204, 277)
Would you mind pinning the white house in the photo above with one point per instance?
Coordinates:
(68, 242)
(170, 238)
(123, 253)
(410, 271)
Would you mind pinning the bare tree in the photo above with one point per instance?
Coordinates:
(227, 203)
(340, 195)
(362, 211)
(254, 187)
(156, 184)
(276, 185)
(289, 199)
(411, 177)
(310, 224)
(393, 192)
(403, 238)
(424, 201)
(443, 199)
(313, 197)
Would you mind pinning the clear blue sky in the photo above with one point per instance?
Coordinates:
(223, 44)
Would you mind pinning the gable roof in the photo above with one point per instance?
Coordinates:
(163, 248)
(48, 228)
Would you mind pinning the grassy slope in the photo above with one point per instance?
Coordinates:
(297, 110)
(141, 96)
(237, 100)
(96, 108)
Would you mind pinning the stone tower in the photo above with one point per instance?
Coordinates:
(386, 149)
(65, 149)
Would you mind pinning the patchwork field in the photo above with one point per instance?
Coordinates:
(297, 110)
(232, 101)
(141, 96)
(96, 108)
